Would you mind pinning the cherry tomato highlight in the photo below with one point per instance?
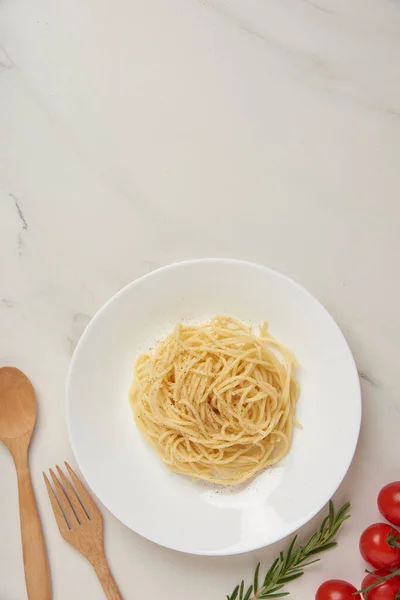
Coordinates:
(336, 589)
(387, 590)
(380, 546)
(389, 502)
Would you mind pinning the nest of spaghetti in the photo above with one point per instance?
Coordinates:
(216, 401)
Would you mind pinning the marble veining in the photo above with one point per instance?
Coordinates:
(5, 60)
(8, 303)
(24, 224)
(324, 71)
(369, 378)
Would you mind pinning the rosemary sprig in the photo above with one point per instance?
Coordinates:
(290, 564)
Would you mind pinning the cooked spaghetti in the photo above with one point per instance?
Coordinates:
(216, 401)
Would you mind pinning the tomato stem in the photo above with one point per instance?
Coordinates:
(393, 540)
(379, 580)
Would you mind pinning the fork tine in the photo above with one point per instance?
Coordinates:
(60, 519)
(64, 501)
(86, 499)
(73, 497)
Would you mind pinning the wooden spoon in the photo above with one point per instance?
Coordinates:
(17, 421)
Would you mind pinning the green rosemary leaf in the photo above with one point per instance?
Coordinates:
(276, 595)
(311, 543)
(311, 562)
(276, 588)
(335, 529)
(331, 513)
(234, 594)
(323, 524)
(290, 552)
(255, 582)
(270, 571)
(343, 511)
(298, 556)
(241, 590)
(322, 548)
(291, 577)
(248, 593)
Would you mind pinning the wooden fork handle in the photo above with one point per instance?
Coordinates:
(107, 580)
(37, 573)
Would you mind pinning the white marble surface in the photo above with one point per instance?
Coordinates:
(136, 133)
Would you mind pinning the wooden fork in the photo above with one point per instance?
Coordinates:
(81, 524)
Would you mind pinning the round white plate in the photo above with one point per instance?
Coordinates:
(127, 475)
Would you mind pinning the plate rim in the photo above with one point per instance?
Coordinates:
(171, 266)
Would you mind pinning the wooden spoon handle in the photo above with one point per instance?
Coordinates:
(37, 573)
(106, 579)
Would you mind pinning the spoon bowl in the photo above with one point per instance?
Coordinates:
(17, 404)
(17, 421)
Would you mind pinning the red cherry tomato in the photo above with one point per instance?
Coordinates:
(380, 546)
(336, 589)
(389, 502)
(388, 590)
